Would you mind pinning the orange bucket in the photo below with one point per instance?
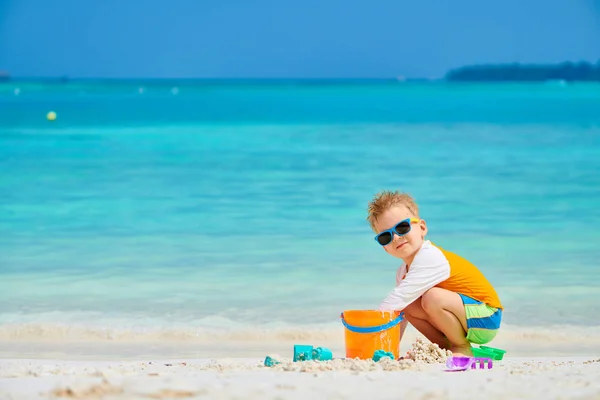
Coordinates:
(369, 330)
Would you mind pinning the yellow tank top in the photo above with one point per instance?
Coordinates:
(467, 279)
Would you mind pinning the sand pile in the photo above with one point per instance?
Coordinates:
(420, 354)
(426, 352)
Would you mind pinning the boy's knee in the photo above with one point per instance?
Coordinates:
(433, 299)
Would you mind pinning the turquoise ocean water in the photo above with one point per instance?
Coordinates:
(226, 209)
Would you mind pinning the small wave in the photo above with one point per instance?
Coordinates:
(47, 331)
(32, 331)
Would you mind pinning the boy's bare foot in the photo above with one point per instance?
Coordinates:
(461, 351)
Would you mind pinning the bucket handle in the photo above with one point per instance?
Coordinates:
(372, 329)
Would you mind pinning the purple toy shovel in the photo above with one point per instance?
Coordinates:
(465, 363)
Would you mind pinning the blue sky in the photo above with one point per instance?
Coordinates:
(288, 39)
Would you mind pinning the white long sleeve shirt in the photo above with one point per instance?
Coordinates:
(429, 268)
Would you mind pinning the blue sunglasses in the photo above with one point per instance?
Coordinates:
(401, 228)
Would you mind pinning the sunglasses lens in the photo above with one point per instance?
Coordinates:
(403, 228)
(384, 238)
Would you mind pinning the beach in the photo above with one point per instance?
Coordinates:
(160, 243)
(515, 378)
(236, 370)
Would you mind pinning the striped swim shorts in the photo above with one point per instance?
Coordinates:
(483, 321)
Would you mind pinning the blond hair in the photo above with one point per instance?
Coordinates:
(385, 200)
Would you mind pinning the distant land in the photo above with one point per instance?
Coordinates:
(514, 72)
(567, 71)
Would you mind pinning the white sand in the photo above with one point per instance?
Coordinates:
(247, 378)
(244, 379)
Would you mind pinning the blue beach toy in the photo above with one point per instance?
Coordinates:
(302, 352)
(307, 353)
(270, 362)
(379, 354)
(322, 354)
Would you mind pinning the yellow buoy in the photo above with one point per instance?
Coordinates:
(51, 116)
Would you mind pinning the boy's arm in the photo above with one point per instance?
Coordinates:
(428, 269)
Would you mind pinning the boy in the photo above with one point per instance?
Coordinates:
(442, 295)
